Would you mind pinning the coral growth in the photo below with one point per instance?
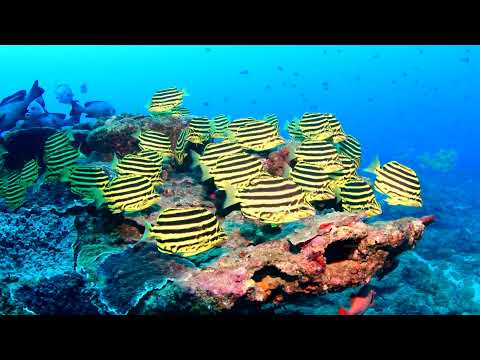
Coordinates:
(115, 135)
(277, 161)
(346, 255)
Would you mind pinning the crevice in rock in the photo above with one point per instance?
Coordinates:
(273, 272)
(340, 250)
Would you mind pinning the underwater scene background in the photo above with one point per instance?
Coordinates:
(417, 105)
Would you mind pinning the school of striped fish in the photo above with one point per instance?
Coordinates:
(324, 165)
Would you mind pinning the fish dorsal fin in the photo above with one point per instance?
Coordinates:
(18, 96)
(91, 102)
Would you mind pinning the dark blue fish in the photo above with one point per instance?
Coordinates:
(244, 72)
(357, 78)
(205, 103)
(324, 52)
(420, 51)
(254, 102)
(280, 68)
(268, 87)
(208, 49)
(225, 99)
(14, 107)
(296, 74)
(405, 74)
(376, 56)
(339, 51)
(370, 99)
(302, 94)
(284, 83)
(465, 59)
(394, 82)
(83, 88)
(325, 84)
(93, 109)
(294, 85)
(467, 51)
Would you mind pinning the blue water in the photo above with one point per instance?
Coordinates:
(398, 101)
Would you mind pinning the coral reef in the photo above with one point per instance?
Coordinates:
(276, 162)
(341, 252)
(115, 135)
(127, 276)
(36, 244)
(65, 294)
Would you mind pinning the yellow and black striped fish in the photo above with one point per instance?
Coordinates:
(185, 231)
(313, 180)
(133, 164)
(165, 100)
(351, 147)
(61, 159)
(15, 194)
(348, 170)
(29, 172)
(236, 170)
(57, 141)
(271, 199)
(151, 155)
(181, 146)
(156, 141)
(199, 130)
(272, 119)
(212, 153)
(257, 135)
(234, 125)
(322, 153)
(315, 126)
(398, 182)
(294, 131)
(180, 111)
(357, 196)
(83, 179)
(338, 134)
(219, 126)
(128, 193)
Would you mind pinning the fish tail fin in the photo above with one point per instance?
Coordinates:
(65, 174)
(148, 230)
(205, 172)
(342, 311)
(35, 92)
(231, 198)
(76, 108)
(115, 161)
(195, 158)
(286, 171)
(98, 196)
(374, 165)
(291, 151)
(137, 133)
(338, 193)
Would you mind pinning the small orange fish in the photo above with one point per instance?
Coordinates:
(359, 302)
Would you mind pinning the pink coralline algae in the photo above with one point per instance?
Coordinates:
(276, 162)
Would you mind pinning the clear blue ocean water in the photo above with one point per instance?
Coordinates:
(400, 102)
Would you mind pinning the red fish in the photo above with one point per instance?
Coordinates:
(359, 302)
